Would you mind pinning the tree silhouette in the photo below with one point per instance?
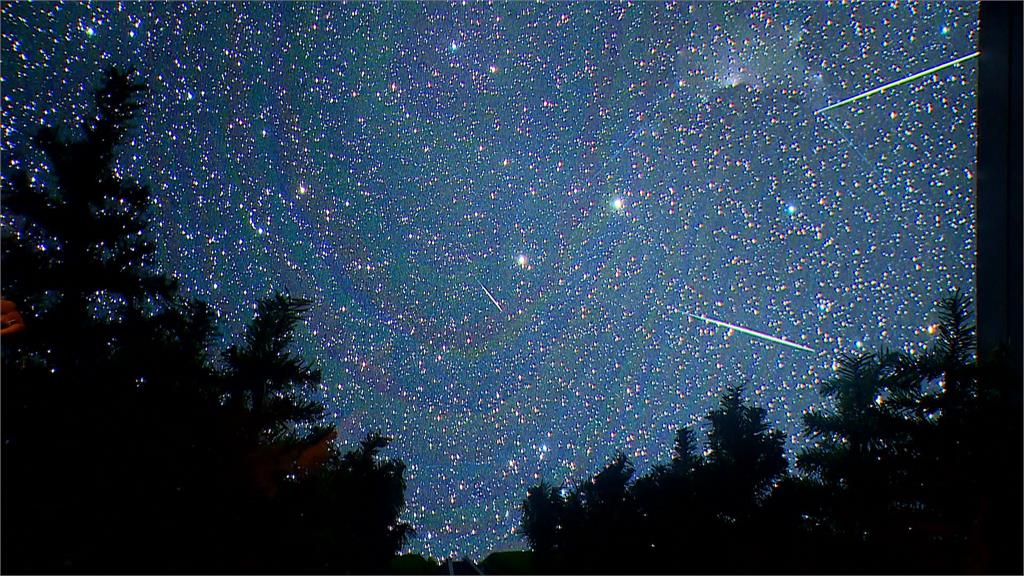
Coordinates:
(600, 513)
(870, 457)
(566, 529)
(914, 466)
(744, 456)
(743, 461)
(669, 519)
(76, 262)
(684, 452)
(962, 425)
(848, 439)
(78, 246)
(907, 458)
(344, 517)
(126, 449)
(264, 377)
(543, 511)
(680, 517)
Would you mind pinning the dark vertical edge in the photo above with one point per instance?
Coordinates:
(999, 186)
(999, 259)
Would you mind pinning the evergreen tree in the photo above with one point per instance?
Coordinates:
(75, 241)
(846, 435)
(77, 262)
(744, 457)
(680, 517)
(125, 448)
(855, 458)
(543, 511)
(904, 455)
(743, 462)
(684, 452)
(344, 517)
(669, 518)
(965, 419)
(265, 379)
(584, 529)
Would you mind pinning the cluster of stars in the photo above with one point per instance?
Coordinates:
(503, 212)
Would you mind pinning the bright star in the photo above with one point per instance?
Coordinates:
(522, 261)
(618, 204)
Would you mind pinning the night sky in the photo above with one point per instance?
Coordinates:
(504, 213)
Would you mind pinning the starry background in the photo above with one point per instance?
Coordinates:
(599, 170)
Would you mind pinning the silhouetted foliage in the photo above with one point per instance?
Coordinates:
(903, 459)
(744, 456)
(543, 510)
(81, 239)
(417, 564)
(264, 376)
(77, 263)
(126, 448)
(342, 518)
(914, 465)
(695, 503)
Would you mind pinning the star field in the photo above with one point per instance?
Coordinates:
(504, 212)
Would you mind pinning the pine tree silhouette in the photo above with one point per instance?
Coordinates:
(744, 456)
(542, 517)
(264, 377)
(77, 262)
(343, 518)
(82, 239)
(669, 518)
(680, 517)
(905, 459)
(126, 449)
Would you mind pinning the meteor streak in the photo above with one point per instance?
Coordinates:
(910, 78)
(482, 287)
(754, 333)
(491, 297)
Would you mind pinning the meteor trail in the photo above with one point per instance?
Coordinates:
(754, 333)
(897, 83)
(491, 297)
(482, 287)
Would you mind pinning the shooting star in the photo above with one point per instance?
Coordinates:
(482, 287)
(754, 333)
(910, 78)
(486, 291)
